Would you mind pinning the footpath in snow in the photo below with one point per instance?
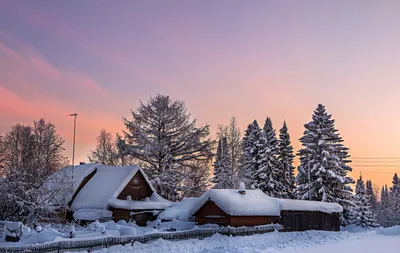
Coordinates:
(372, 241)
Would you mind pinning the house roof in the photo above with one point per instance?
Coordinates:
(306, 205)
(107, 183)
(155, 202)
(68, 178)
(253, 203)
(179, 210)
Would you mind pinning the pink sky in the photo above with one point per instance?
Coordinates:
(249, 60)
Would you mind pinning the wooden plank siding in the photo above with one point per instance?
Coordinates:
(210, 213)
(304, 220)
(137, 188)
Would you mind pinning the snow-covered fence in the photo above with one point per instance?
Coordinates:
(105, 242)
(2, 227)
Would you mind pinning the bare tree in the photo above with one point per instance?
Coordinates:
(197, 178)
(233, 136)
(107, 152)
(163, 136)
(30, 155)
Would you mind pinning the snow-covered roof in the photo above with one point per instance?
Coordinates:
(253, 203)
(92, 214)
(305, 205)
(107, 183)
(155, 202)
(65, 182)
(179, 210)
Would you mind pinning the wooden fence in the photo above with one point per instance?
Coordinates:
(105, 242)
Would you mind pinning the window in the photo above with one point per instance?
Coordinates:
(135, 181)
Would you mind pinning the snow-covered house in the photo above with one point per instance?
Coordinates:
(236, 208)
(120, 193)
(253, 207)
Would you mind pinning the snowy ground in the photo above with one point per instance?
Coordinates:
(372, 241)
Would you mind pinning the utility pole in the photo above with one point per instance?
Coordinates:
(73, 145)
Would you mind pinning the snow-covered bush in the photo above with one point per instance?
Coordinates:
(125, 230)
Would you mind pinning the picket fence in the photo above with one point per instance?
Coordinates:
(105, 242)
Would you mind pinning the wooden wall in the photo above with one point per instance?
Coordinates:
(303, 220)
(137, 191)
(240, 221)
(210, 213)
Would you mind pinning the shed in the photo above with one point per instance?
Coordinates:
(301, 215)
(228, 207)
(121, 193)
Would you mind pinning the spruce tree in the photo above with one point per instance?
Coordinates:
(216, 165)
(285, 158)
(395, 201)
(371, 194)
(362, 214)
(222, 169)
(268, 175)
(384, 210)
(249, 155)
(323, 171)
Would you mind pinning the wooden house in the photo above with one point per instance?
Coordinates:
(228, 207)
(118, 193)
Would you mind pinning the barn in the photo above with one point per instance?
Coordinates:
(301, 215)
(119, 193)
(229, 207)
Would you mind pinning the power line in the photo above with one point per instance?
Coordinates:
(369, 161)
(377, 172)
(376, 158)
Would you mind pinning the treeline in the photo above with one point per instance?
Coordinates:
(181, 160)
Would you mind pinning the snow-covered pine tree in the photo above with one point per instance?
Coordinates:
(216, 165)
(223, 172)
(268, 176)
(361, 214)
(249, 154)
(285, 158)
(372, 196)
(384, 210)
(394, 197)
(165, 138)
(323, 171)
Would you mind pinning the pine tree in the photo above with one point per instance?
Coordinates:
(223, 172)
(323, 171)
(394, 197)
(384, 210)
(216, 165)
(249, 155)
(362, 214)
(268, 175)
(285, 158)
(371, 193)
